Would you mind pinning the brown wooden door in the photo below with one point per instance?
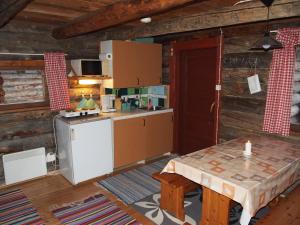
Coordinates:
(159, 134)
(129, 141)
(196, 71)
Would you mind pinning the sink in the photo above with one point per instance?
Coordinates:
(152, 109)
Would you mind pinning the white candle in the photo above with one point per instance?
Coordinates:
(248, 148)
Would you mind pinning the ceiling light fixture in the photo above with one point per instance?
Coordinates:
(146, 20)
(267, 42)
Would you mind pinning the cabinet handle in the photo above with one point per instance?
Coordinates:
(138, 81)
(160, 80)
(144, 122)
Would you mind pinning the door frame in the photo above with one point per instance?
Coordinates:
(176, 47)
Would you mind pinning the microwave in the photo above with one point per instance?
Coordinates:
(86, 66)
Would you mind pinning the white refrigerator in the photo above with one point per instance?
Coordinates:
(84, 147)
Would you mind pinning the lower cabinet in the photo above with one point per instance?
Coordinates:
(159, 134)
(142, 137)
(129, 137)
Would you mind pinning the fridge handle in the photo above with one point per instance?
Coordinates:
(72, 134)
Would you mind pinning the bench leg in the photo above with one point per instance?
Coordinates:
(172, 200)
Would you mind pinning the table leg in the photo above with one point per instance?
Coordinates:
(215, 208)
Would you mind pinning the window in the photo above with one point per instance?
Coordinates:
(295, 115)
(22, 85)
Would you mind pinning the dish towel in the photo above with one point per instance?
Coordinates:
(56, 76)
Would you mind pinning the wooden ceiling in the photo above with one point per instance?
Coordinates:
(68, 14)
(60, 12)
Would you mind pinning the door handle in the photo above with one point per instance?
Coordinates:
(212, 106)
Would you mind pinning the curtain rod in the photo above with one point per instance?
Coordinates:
(19, 53)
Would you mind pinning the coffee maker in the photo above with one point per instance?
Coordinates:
(108, 103)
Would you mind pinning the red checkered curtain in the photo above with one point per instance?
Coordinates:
(280, 84)
(56, 76)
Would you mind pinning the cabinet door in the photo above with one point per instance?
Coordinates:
(159, 134)
(125, 60)
(150, 64)
(129, 141)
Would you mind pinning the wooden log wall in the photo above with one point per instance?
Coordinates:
(23, 37)
(23, 86)
(241, 112)
(26, 130)
(32, 129)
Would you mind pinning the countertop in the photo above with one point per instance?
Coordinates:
(133, 113)
(113, 115)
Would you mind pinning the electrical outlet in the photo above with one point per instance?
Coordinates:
(50, 157)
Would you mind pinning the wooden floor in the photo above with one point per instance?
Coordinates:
(54, 190)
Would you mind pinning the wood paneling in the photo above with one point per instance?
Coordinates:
(211, 19)
(113, 15)
(11, 8)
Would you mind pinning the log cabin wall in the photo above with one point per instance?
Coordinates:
(23, 130)
(241, 112)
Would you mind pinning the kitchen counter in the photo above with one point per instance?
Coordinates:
(133, 113)
(83, 119)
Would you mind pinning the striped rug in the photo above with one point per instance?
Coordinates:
(94, 210)
(136, 184)
(16, 209)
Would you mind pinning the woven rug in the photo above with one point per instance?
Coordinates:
(16, 209)
(136, 184)
(93, 210)
(149, 207)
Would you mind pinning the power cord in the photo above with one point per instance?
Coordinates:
(55, 140)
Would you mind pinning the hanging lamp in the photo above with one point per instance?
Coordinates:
(267, 42)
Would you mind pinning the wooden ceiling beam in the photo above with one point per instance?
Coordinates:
(242, 15)
(9, 9)
(118, 13)
(51, 10)
(83, 6)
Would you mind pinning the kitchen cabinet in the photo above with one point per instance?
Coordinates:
(131, 64)
(159, 134)
(143, 137)
(129, 139)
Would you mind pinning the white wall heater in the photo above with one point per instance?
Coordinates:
(24, 165)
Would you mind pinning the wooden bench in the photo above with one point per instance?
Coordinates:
(173, 188)
(285, 212)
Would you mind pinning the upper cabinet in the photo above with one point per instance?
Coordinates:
(131, 64)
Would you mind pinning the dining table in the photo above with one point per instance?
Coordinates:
(227, 174)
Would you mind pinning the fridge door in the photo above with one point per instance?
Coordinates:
(64, 150)
(91, 149)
